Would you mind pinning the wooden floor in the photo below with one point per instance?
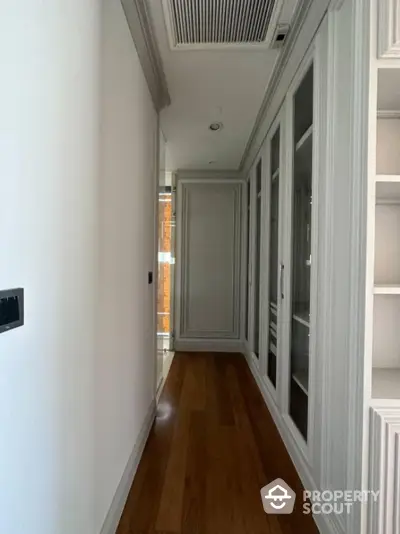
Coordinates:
(212, 448)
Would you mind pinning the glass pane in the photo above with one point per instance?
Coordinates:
(273, 257)
(257, 262)
(248, 259)
(301, 254)
(166, 222)
(303, 106)
(275, 146)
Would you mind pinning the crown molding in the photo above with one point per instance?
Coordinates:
(137, 13)
(296, 25)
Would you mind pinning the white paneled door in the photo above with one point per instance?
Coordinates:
(208, 264)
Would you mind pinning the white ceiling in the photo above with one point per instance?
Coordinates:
(208, 86)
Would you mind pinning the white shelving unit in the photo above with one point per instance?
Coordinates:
(385, 383)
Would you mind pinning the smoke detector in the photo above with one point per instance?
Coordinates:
(279, 38)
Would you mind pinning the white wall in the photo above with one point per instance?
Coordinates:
(55, 206)
(208, 263)
(125, 368)
(387, 153)
(49, 56)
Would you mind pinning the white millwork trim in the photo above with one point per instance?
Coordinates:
(389, 29)
(118, 503)
(137, 13)
(324, 79)
(384, 515)
(327, 524)
(357, 412)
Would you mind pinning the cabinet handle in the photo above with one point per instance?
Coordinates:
(281, 272)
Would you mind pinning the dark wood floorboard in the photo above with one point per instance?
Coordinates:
(212, 447)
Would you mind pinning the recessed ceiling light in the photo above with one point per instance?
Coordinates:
(215, 126)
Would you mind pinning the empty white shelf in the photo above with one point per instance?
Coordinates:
(301, 379)
(302, 317)
(386, 289)
(385, 383)
(387, 178)
(275, 174)
(304, 138)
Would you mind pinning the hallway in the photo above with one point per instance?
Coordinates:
(211, 449)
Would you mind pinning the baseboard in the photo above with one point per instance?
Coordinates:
(117, 506)
(209, 345)
(166, 367)
(160, 386)
(326, 523)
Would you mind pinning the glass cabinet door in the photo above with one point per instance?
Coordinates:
(257, 259)
(301, 208)
(273, 282)
(248, 263)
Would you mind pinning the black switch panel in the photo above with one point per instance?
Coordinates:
(150, 277)
(11, 309)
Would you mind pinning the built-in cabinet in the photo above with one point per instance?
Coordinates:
(386, 217)
(328, 314)
(283, 204)
(382, 352)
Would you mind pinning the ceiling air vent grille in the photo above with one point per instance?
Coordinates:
(224, 22)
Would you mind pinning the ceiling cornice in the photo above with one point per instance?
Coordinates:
(298, 20)
(138, 16)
